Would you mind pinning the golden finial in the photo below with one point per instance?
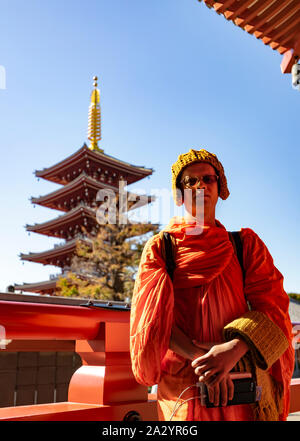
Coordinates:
(94, 128)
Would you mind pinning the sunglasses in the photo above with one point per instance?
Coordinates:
(194, 181)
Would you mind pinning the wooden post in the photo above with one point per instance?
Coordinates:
(105, 376)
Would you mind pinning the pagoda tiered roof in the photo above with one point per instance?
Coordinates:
(67, 225)
(84, 189)
(59, 256)
(45, 287)
(275, 22)
(82, 175)
(96, 164)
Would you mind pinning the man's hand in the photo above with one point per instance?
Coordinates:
(221, 392)
(213, 368)
(183, 345)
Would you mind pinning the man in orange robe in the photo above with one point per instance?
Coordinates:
(198, 327)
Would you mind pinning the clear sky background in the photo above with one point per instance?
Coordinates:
(173, 75)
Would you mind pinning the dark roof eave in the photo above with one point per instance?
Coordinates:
(84, 149)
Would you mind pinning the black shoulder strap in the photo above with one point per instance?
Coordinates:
(169, 252)
(237, 243)
(168, 249)
(238, 248)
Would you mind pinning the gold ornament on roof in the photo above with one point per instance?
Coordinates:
(94, 127)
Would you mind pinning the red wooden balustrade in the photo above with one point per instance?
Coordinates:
(103, 388)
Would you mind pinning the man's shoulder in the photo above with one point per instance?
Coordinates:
(251, 238)
(153, 241)
(156, 237)
(246, 232)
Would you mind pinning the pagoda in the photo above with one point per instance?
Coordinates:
(80, 177)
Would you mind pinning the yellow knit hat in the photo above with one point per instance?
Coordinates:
(198, 156)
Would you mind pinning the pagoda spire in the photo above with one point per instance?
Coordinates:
(94, 127)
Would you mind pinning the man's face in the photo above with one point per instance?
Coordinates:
(200, 169)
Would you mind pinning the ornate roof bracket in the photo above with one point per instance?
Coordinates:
(290, 58)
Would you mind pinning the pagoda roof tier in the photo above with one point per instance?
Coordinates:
(60, 255)
(84, 189)
(95, 164)
(67, 225)
(275, 22)
(45, 287)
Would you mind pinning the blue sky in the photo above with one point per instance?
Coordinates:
(173, 75)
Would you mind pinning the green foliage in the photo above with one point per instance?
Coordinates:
(67, 288)
(294, 295)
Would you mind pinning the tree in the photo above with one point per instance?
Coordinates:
(104, 266)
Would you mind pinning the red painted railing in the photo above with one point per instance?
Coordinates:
(103, 388)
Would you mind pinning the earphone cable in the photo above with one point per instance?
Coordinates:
(175, 409)
(181, 404)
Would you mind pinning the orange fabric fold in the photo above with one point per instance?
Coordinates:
(264, 289)
(207, 293)
(200, 257)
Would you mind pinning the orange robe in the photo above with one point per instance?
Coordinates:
(206, 296)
